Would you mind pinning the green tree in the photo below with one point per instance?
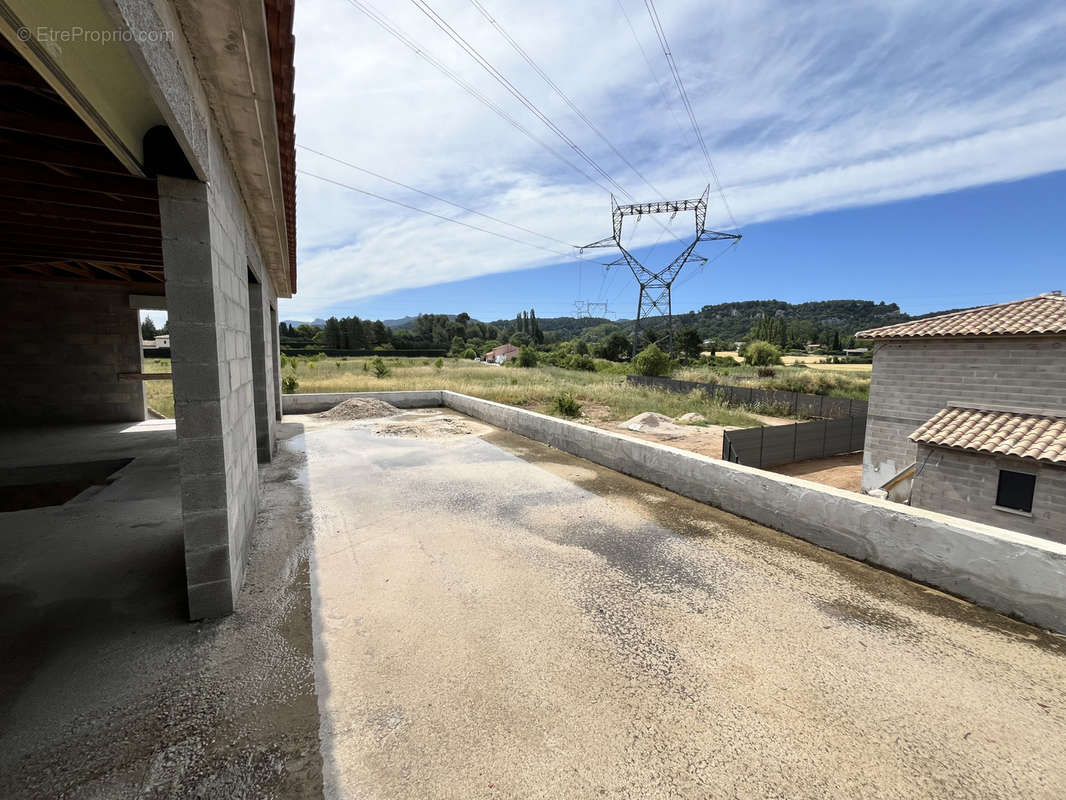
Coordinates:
(761, 354)
(527, 357)
(689, 342)
(148, 331)
(468, 354)
(534, 328)
(653, 362)
(458, 345)
(581, 347)
(332, 334)
(616, 347)
(382, 335)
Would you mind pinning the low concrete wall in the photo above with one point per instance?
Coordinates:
(314, 403)
(1010, 572)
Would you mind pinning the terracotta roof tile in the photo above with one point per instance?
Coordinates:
(1007, 433)
(1043, 314)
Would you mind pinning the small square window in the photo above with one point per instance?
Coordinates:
(1015, 490)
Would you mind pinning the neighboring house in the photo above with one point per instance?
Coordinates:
(976, 402)
(815, 348)
(162, 341)
(856, 351)
(502, 354)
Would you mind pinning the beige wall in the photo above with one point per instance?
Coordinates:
(914, 379)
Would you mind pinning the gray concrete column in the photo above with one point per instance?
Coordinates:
(209, 321)
(264, 428)
(275, 356)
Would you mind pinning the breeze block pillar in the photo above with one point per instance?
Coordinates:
(207, 305)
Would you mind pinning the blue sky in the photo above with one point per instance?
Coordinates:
(900, 151)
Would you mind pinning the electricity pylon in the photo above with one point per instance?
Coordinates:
(655, 285)
(587, 308)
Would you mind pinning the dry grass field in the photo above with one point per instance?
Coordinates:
(604, 394)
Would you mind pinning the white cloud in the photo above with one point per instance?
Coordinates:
(805, 107)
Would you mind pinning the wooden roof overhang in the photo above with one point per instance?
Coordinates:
(69, 210)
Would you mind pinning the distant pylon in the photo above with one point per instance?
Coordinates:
(587, 308)
(655, 285)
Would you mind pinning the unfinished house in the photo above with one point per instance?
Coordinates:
(146, 162)
(968, 414)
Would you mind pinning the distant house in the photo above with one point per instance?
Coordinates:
(814, 348)
(502, 354)
(162, 341)
(969, 408)
(856, 351)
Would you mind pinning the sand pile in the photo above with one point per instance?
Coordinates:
(360, 408)
(650, 422)
(431, 428)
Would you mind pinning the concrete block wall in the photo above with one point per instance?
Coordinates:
(64, 345)
(964, 485)
(208, 252)
(913, 380)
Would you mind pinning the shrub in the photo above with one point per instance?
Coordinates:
(615, 348)
(527, 357)
(761, 354)
(469, 354)
(439, 363)
(652, 362)
(381, 370)
(766, 372)
(289, 384)
(514, 381)
(565, 405)
(580, 362)
(366, 366)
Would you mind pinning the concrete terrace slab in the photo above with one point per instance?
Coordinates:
(493, 617)
(106, 689)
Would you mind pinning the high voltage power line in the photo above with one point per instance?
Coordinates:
(500, 78)
(431, 195)
(573, 107)
(431, 213)
(651, 70)
(383, 22)
(661, 33)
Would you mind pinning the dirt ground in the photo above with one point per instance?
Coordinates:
(703, 439)
(843, 472)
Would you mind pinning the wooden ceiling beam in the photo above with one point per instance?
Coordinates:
(29, 212)
(79, 198)
(68, 235)
(81, 155)
(139, 287)
(42, 255)
(62, 178)
(68, 129)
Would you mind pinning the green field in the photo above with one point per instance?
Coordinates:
(604, 394)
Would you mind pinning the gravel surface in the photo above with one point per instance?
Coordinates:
(494, 618)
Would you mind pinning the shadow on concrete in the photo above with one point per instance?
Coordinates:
(106, 689)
